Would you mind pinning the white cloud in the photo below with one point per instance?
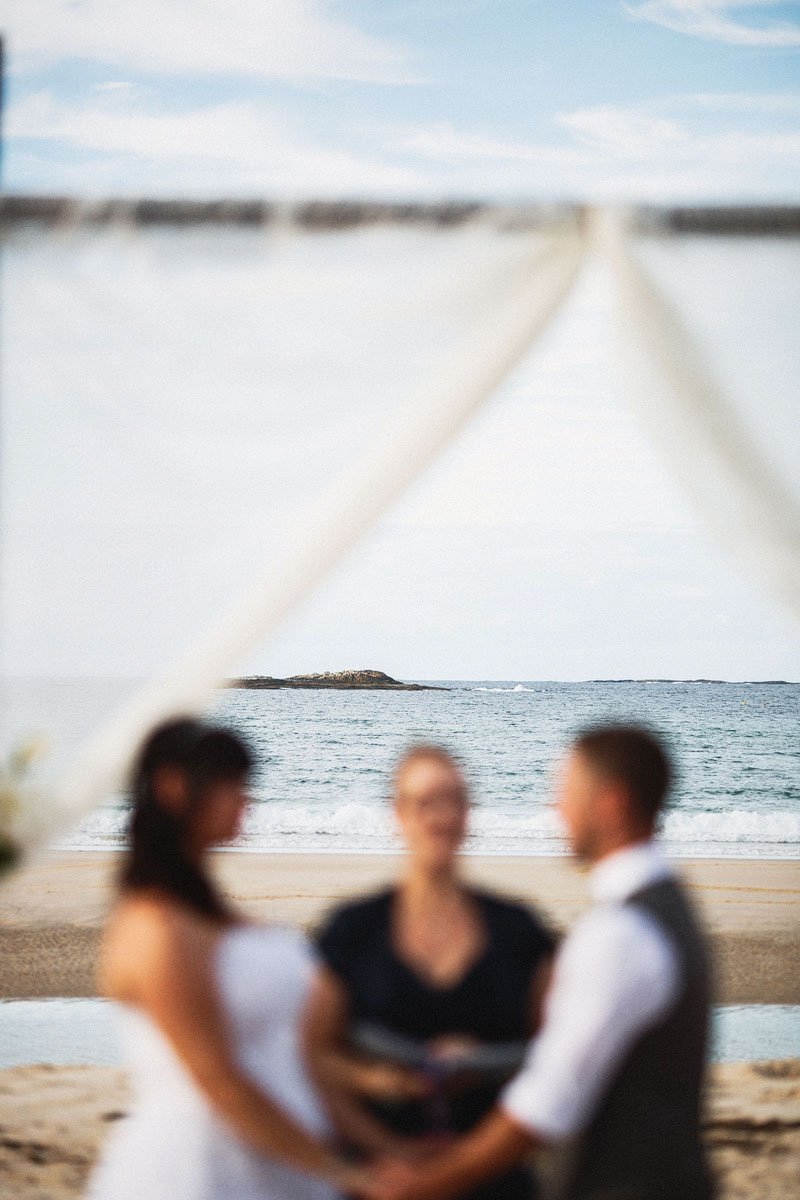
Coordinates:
(775, 103)
(680, 148)
(662, 151)
(114, 85)
(635, 135)
(443, 142)
(229, 147)
(716, 20)
(623, 130)
(282, 39)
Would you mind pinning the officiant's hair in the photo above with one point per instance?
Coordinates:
(157, 856)
(636, 757)
(420, 752)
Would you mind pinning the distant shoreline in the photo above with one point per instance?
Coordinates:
(420, 684)
(582, 682)
(379, 681)
(727, 682)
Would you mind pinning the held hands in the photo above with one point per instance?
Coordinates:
(398, 1175)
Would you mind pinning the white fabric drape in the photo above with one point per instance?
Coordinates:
(741, 494)
(345, 514)
(166, 351)
(519, 290)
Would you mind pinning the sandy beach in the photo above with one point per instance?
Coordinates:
(53, 1118)
(51, 913)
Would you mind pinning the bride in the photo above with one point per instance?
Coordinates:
(211, 1004)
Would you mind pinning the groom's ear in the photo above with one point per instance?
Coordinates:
(611, 805)
(171, 789)
(621, 810)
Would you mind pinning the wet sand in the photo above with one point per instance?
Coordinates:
(51, 913)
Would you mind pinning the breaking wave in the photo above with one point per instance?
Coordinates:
(522, 829)
(518, 687)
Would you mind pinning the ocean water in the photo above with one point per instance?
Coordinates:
(85, 1031)
(325, 756)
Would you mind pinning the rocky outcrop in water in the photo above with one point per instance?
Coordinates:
(341, 680)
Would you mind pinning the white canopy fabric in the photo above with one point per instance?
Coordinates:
(200, 418)
(713, 349)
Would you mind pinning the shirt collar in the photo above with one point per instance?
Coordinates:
(626, 871)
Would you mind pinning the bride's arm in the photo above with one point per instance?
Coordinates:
(160, 961)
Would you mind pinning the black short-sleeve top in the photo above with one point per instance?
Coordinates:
(491, 1002)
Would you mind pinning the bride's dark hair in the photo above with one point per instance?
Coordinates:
(157, 855)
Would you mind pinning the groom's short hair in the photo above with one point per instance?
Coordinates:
(634, 756)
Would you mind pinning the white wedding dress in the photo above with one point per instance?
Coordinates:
(174, 1146)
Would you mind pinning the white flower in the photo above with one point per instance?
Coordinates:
(22, 805)
(23, 756)
(9, 804)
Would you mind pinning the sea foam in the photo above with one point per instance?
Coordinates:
(525, 829)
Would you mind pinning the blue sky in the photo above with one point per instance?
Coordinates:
(672, 99)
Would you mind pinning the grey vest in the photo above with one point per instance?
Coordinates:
(644, 1141)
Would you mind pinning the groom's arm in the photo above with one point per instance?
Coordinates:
(497, 1144)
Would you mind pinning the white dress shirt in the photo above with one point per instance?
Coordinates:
(615, 976)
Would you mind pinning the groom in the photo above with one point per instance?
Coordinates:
(618, 1066)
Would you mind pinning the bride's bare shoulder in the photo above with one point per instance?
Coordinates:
(147, 936)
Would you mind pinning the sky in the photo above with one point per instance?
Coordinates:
(551, 540)
(662, 99)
